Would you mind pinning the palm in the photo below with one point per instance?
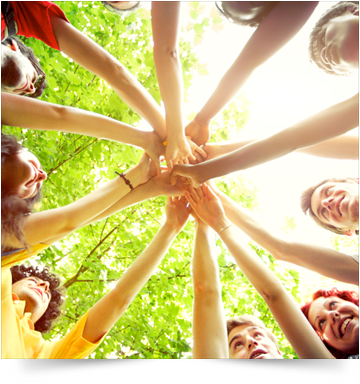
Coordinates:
(176, 212)
(199, 133)
(163, 185)
(177, 152)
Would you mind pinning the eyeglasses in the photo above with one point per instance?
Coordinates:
(41, 78)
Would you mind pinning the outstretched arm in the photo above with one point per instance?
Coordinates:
(55, 224)
(344, 147)
(275, 31)
(324, 125)
(325, 261)
(106, 312)
(209, 324)
(40, 115)
(97, 60)
(292, 322)
(165, 25)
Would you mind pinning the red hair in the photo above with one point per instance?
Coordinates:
(351, 296)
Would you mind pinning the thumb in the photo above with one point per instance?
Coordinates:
(156, 162)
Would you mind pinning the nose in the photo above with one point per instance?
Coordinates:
(45, 285)
(251, 342)
(41, 175)
(329, 203)
(30, 89)
(334, 316)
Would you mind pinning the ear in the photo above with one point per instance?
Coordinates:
(354, 10)
(14, 46)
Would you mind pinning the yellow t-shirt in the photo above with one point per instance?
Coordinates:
(22, 254)
(19, 340)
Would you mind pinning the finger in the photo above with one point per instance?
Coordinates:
(194, 194)
(201, 151)
(200, 192)
(209, 192)
(170, 165)
(173, 176)
(191, 156)
(191, 201)
(185, 160)
(157, 165)
(199, 158)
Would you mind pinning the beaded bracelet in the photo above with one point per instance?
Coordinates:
(127, 182)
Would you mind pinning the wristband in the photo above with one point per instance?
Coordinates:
(222, 230)
(127, 182)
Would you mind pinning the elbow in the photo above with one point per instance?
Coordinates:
(117, 75)
(166, 53)
(280, 250)
(207, 292)
(272, 293)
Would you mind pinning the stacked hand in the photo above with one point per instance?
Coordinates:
(199, 132)
(155, 149)
(208, 207)
(177, 213)
(178, 152)
(188, 171)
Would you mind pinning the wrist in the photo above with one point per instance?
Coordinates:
(201, 119)
(171, 229)
(133, 175)
(221, 226)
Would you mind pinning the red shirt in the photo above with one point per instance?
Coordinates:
(33, 20)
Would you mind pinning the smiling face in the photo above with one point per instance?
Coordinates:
(337, 322)
(249, 342)
(338, 43)
(337, 204)
(17, 73)
(24, 175)
(36, 293)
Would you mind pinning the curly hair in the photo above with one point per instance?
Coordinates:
(339, 9)
(46, 321)
(351, 296)
(29, 54)
(222, 8)
(13, 208)
(305, 203)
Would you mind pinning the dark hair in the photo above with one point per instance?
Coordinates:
(254, 22)
(336, 10)
(305, 203)
(45, 323)
(13, 208)
(117, 11)
(351, 296)
(29, 54)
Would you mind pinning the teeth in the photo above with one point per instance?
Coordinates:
(344, 325)
(258, 354)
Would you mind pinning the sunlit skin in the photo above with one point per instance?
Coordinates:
(338, 44)
(36, 293)
(249, 342)
(245, 10)
(336, 321)
(123, 4)
(24, 175)
(337, 204)
(18, 74)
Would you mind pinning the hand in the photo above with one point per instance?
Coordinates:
(177, 212)
(199, 133)
(178, 152)
(155, 149)
(147, 169)
(198, 152)
(186, 171)
(208, 207)
(162, 186)
(212, 150)
(214, 187)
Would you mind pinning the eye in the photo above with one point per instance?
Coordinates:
(238, 344)
(323, 212)
(258, 335)
(327, 192)
(332, 304)
(321, 323)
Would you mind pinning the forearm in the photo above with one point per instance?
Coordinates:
(110, 308)
(229, 86)
(165, 25)
(209, 324)
(322, 126)
(40, 115)
(251, 227)
(263, 280)
(57, 223)
(97, 60)
(326, 262)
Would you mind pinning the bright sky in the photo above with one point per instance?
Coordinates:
(284, 90)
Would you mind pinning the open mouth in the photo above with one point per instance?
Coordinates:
(24, 87)
(343, 326)
(258, 354)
